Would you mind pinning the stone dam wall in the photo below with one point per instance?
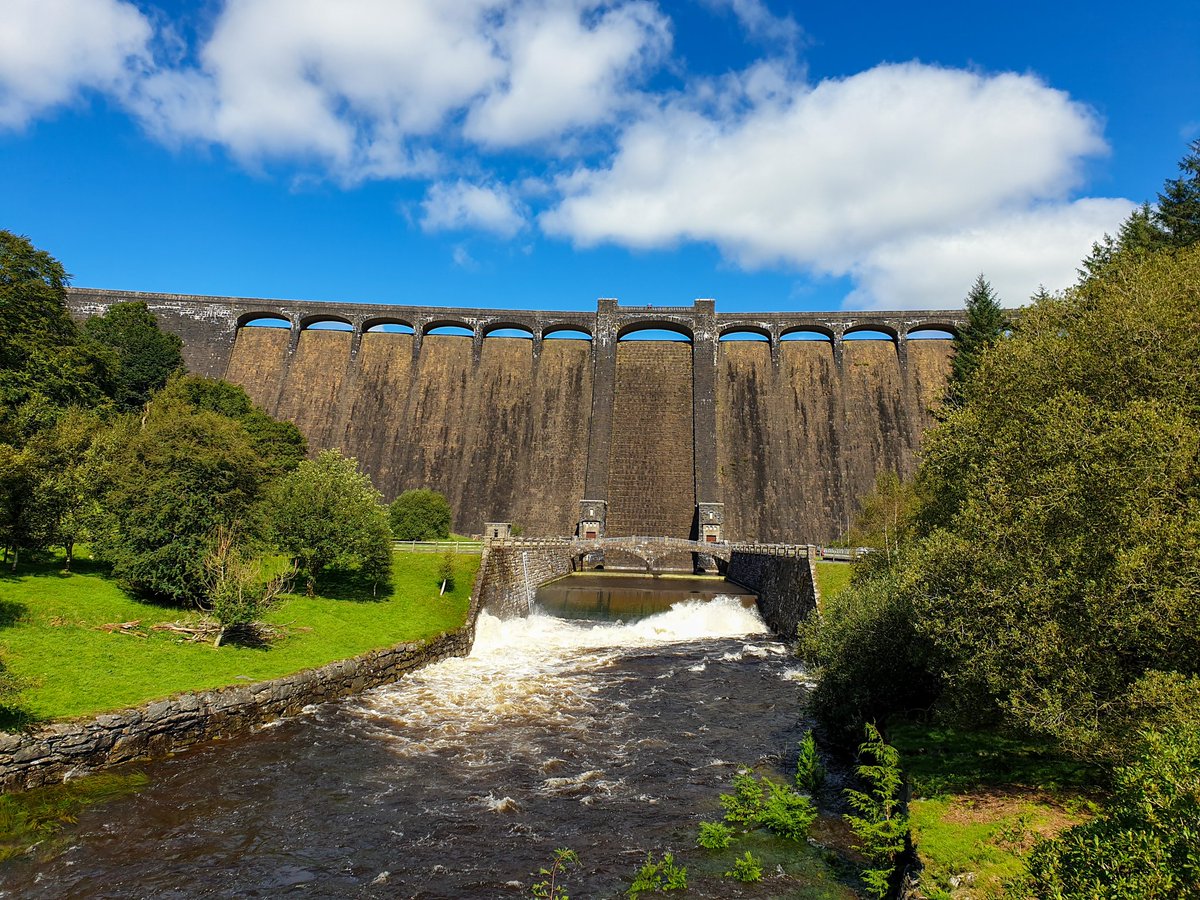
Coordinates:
(784, 580)
(788, 435)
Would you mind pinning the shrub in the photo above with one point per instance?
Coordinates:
(550, 888)
(1146, 844)
(714, 835)
(420, 515)
(768, 804)
(746, 869)
(663, 875)
(810, 774)
(880, 825)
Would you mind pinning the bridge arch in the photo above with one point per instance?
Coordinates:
(933, 331)
(682, 329)
(433, 324)
(383, 321)
(801, 332)
(263, 320)
(527, 331)
(566, 330)
(735, 332)
(308, 322)
(865, 329)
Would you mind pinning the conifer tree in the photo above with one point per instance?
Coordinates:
(985, 324)
(1178, 213)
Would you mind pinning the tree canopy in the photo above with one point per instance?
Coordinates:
(420, 515)
(985, 324)
(144, 356)
(327, 515)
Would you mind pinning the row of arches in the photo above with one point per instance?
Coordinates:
(645, 331)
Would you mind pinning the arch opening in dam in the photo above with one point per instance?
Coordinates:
(774, 438)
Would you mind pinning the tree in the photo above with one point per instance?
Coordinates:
(184, 474)
(885, 516)
(145, 356)
(43, 367)
(1145, 843)
(327, 515)
(985, 325)
(1178, 213)
(420, 515)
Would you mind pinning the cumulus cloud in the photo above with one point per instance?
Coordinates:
(368, 88)
(462, 206)
(567, 69)
(846, 176)
(51, 49)
(1017, 252)
(759, 22)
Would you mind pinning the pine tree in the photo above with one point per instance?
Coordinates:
(1178, 212)
(985, 324)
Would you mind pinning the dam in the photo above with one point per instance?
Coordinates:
(574, 428)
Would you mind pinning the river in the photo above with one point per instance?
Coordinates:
(611, 739)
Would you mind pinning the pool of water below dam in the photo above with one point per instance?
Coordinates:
(609, 738)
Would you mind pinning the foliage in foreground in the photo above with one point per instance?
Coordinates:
(878, 821)
(764, 803)
(746, 869)
(663, 875)
(1147, 842)
(550, 888)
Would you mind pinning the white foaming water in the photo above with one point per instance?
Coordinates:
(536, 669)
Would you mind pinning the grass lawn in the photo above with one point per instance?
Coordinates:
(50, 635)
(980, 800)
(833, 578)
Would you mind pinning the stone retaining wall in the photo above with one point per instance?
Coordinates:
(56, 752)
(786, 587)
(509, 577)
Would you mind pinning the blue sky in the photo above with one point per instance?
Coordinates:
(542, 153)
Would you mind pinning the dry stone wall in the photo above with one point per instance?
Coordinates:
(785, 583)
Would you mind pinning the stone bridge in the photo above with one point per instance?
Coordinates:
(650, 550)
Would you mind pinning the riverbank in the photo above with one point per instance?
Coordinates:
(56, 639)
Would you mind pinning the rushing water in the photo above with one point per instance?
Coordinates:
(605, 596)
(459, 781)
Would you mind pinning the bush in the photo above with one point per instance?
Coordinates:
(746, 869)
(328, 516)
(420, 515)
(810, 774)
(663, 875)
(714, 835)
(1146, 844)
(770, 805)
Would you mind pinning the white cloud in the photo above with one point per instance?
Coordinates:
(759, 22)
(1016, 252)
(375, 88)
(569, 65)
(462, 206)
(51, 49)
(828, 178)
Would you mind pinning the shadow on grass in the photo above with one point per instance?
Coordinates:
(347, 586)
(943, 760)
(51, 566)
(11, 612)
(14, 719)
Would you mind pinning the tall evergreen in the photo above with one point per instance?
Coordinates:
(1178, 212)
(986, 322)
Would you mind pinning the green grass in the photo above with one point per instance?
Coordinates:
(833, 578)
(50, 637)
(981, 799)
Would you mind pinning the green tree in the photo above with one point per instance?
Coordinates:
(184, 474)
(420, 515)
(885, 516)
(144, 355)
(327, 515)
(279, 445)
(43, 366)
(1178, 213)
(1145, 844)
(985, 325)
(878, 821)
